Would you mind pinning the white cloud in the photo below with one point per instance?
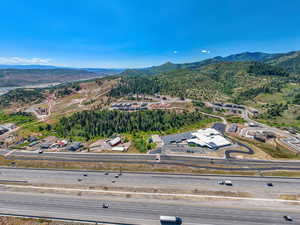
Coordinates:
(23, 61)
(175, 52)
(205, 51)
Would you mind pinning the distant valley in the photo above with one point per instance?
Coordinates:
(36, 75)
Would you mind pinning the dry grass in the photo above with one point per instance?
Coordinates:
(290, 197)
(258, 152)
(107, 166)
(4, 220)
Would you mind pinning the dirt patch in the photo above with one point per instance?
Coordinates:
(5, 220)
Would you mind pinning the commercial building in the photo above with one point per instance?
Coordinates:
(210, 138)
(176, 138)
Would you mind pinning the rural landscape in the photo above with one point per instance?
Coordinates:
(121, 116)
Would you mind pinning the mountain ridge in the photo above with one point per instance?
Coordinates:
(269, 58)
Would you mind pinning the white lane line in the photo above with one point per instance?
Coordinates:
(149, 194)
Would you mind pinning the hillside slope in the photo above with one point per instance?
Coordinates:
(166, 67)
(214, 81)
(289, 61)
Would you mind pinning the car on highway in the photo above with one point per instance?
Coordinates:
(288, 218)
(221, 182)
(169, 220)
(228, 182)
(40, 151)
(270, 184)
(105, 205)
(106, 173)
(116, 176)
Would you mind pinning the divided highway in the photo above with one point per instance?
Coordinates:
(124, 211)
(253, 186)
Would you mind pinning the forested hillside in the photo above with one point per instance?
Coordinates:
(289, 61)
(241, 57)
(214, 81)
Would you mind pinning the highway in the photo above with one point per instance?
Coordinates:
(126, 211)
(153, 182)
(190, 161)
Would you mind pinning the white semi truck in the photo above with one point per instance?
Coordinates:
(170, 220)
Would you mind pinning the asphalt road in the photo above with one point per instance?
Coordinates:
(196, 162)
(134, 212)
(254, 186)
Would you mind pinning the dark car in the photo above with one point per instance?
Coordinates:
(288, 218)
(105, 205)
(270, 184)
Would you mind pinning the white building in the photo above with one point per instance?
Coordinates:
(210, 138)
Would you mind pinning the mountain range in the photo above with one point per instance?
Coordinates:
(289, 60)
(20, 75)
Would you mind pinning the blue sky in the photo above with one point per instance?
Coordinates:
(138, 33)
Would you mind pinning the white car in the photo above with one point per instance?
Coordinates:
(228, 182)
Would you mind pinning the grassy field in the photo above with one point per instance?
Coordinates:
(290, 117)
(16, 119)
(235, 119)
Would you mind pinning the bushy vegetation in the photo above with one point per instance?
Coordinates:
(141, 143)
(90, 124)
(21, 96)
(18, 118)
(296, 99)
(220, 80)
(274, 110)
(272, 87)
(262, 69)
(235, 119)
